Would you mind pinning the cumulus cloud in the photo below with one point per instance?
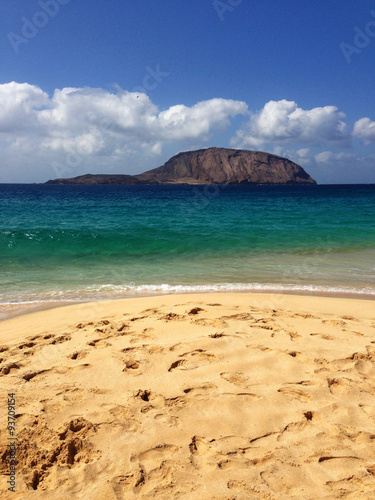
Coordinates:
(284, 122)
(364, 129)
(80, 130)
(78, 123)
(180, 121)
(18, 104)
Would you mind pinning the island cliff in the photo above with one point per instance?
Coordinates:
(210, 166)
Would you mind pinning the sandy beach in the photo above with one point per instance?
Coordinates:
(211, 396)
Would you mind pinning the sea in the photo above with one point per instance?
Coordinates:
(74, 243)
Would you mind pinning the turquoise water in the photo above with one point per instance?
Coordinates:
(61, 243)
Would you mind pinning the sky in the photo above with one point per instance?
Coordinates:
(88, 86)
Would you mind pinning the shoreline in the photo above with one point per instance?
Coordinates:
(26, 308)
(69, 313)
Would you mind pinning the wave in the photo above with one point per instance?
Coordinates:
(109, 291)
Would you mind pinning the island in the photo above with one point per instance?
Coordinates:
(209, 166)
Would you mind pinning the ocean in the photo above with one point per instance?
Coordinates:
(78, 243)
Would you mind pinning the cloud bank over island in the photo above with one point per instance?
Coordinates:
(77, 130)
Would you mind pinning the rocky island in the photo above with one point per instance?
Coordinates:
(209, 166)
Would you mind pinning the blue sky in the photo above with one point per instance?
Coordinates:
(119, 87)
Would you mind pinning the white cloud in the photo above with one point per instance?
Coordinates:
(284, 122)
(344, 167)
(96, 125)
(301, 156)
(303, 153)
(180, 121)
(332, 167)
(364, 129)
(18, 104)
(327, 157)
(81, 130)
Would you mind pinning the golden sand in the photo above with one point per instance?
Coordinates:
(212, 396)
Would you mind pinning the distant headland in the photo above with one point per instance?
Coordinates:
(209, 166)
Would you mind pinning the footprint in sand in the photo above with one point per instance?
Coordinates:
(143, 349)
(324, 337)
(153, 400)
(121, 330)
(134, 350)
(30, 375)
(294, 427)
(55, 370)
(139, 337)
(192, 360)
(365, 368)
(131, 365)
(236, 378)
(181, 345)
(200, 453)
(10, 368)
(33, 344)
(148, 476)
(78, 355)
(324, 364)
(42, 337)
(201, 390)
(169, 420)
(242, 486)
(195, 310)
(334, 322)
(214, 323)
(338, 386)
(26, 345)
(239, 317)
(124, 418)
(99, 343)
(304, 316)
(352, 332)
(217, 335)
(138, 318)
(172, 317)
(368, 356)
(61, 339)
(179, 364)
(369, 410)
(295, 393)
(224, 453)
(176, 403)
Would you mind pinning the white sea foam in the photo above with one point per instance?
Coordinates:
(110, 291)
